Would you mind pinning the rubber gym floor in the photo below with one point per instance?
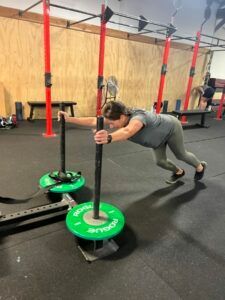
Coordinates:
(173, 245)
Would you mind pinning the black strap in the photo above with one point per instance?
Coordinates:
(41, 190)
(65, 177)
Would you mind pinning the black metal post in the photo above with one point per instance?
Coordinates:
(83, 20)
(21, 12)
(98, 169)
(62, 140)
(212, 37)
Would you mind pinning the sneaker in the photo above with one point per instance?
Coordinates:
(175, 177)
(199, 175)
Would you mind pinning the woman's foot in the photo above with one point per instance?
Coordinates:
(200, 171)
(176, 176)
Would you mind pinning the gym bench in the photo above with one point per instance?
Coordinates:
(202, 113)
(42, 104)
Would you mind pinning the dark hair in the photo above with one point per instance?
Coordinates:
(114, 109)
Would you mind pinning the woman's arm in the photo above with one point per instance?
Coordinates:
(83, 121)
(122, 134)
(198, 90)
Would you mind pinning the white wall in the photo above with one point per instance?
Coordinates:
(188, 19)
(218, 65)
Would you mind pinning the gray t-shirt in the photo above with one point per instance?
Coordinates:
(156, 130)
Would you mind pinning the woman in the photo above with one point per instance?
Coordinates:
(205, 94)
(147, 129)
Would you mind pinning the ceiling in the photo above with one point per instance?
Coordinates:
(188, 18)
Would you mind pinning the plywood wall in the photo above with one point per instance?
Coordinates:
(2, 101)
(74, 61)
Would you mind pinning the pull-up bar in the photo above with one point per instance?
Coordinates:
(92, 16)
(187, 38)
(214, 37)
(207, 43)
(143, 22)
(108, 13)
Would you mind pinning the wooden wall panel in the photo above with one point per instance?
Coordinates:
(20, 61)
(3, 109)
(74, 61)
(136, 71)
(74, 68)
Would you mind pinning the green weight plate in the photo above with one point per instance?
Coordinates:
(66, 187)
(81, 223)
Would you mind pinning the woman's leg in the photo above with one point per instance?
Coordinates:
(176, 144)
(162, 160)
(202, 103)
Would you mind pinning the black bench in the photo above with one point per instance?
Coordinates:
(187, 113)
(42, 104)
